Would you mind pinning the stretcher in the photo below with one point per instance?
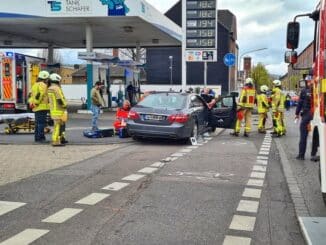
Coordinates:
(21, 122)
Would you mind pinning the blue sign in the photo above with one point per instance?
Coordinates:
(229, 59)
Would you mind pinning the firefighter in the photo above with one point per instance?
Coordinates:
(304, 110)
(245, 107)
(39, 104)
(58, 110)
(263, 107)
(278, 101)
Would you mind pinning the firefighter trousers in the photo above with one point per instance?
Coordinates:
(262, 121)
(279, 123)
(247, 118)
(57, 131)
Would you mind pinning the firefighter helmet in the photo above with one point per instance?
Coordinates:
(249, 80)
(43, 75)
(263, 88)
(54, 77)
(277, 83)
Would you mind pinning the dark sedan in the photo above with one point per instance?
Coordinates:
(177, 116)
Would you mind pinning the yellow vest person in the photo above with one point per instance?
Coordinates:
(246, 104)
(278, 101)
(58, 109)
(39, 103)
(263, 108)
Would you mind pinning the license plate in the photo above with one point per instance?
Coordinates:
(154, 117)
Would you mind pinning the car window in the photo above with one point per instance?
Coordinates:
(226, 102)
(164, 100)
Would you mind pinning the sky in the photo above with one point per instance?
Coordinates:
(262, 24)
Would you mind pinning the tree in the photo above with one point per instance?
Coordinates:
(260, 76)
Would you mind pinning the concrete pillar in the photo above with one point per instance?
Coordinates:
(89, 67)
(138, 52)
(50, 54)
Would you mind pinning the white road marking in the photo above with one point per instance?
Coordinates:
(262, 162)
(6, 207)
(177, 154)
(192, 147)
(259, 168)
(173, 159)
(265, 148)
(243, 223)
(208, 138)
(158, 164)
(262, 157)
(185, 150)
(133, 177)
(25, 237)
(148, 170)
(248, 206)
(255, 182)
(62, 215)
(257, 175)
(251, 192)
(236, 240)
(115, 186)
(168, 159)
(264, 153)
(93, 198)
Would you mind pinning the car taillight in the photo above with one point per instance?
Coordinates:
(133, 115)
(179, 118)
(8, 106)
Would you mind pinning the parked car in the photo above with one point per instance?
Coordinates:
(178, 116)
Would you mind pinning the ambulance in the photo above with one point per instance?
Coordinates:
(18, 73)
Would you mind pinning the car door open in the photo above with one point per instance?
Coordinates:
(224, 112)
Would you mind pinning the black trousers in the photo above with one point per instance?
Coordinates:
(305, 120)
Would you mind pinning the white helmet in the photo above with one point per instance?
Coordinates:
(54, 77)
(277, 83)
(249, 81)
(43, 75)
(263, 88)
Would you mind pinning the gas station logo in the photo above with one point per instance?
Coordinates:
(55, 6)
(70, 7)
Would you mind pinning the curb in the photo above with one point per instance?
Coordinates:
(300, 206)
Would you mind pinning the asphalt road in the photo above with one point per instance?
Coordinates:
(227, 191)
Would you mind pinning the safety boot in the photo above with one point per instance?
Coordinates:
(246, 134)
(57, 143)
(234, 134)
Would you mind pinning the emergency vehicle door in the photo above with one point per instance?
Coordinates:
(224, 112)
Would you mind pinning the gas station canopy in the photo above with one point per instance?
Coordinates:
(114, 23)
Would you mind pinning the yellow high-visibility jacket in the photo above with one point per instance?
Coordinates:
(58, 103)
(39, 97)
(262, 103)
(247, 98)
(278, 100)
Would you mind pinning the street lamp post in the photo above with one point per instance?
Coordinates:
(247, 52)
(171, 69)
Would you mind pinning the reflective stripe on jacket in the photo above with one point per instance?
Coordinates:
(262, 103)
(247, 97)
(39, 97)
(58, 103)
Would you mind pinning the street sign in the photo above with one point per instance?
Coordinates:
(229, 59)
(201, 30)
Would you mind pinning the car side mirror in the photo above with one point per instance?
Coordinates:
(292, 35)
(291, 57)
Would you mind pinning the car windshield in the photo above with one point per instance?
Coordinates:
(164, 100)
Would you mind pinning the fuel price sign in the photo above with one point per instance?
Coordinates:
(201, 27)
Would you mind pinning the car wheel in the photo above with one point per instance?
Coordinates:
(194, 133)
